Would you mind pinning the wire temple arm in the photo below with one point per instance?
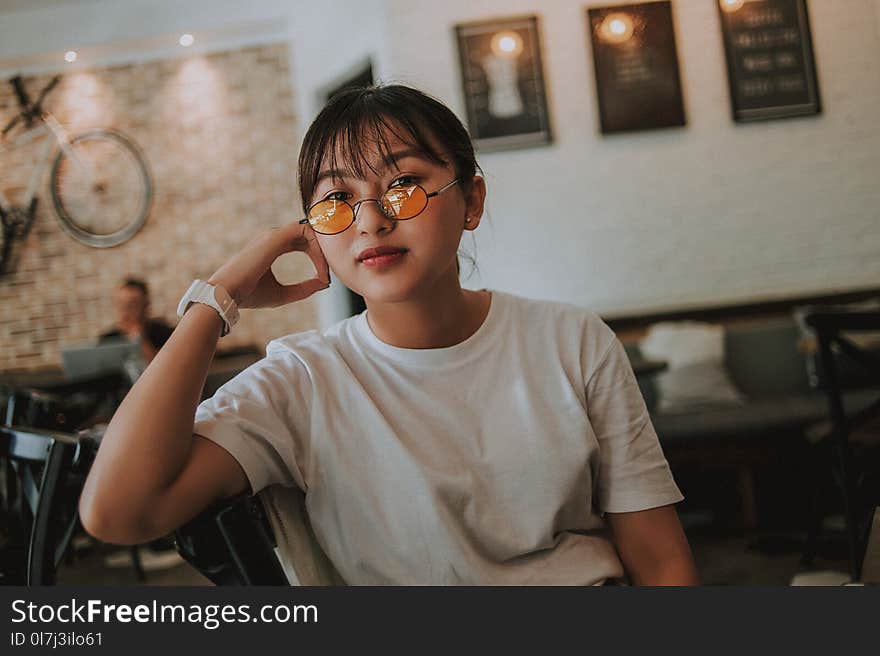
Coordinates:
(441, 189)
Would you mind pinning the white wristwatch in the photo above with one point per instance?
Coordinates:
(215, 296)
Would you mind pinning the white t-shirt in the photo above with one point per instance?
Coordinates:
(488, 462)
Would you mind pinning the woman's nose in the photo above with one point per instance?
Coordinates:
(371, 219)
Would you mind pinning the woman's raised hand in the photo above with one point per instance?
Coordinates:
(150, 477)
(248, 276)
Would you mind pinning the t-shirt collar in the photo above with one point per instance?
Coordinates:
(448, 356)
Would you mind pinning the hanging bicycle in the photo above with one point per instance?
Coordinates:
(99, 181)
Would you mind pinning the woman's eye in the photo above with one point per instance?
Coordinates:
(405, 181)
(337, 195)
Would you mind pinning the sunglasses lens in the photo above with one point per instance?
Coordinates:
(330, 216)
(404, 202)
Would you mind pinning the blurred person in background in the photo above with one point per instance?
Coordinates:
(131, 307)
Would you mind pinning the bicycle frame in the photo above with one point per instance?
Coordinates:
(55, 138)
(64, 153)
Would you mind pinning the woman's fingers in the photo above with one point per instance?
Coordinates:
(306, 241)
(248, 275)
(282, 240)
(298, 237)
(301, 290)
(322, 269)
(295, 237)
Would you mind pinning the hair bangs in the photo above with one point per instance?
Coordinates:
(355, 127)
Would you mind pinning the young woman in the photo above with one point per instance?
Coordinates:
(444, 436)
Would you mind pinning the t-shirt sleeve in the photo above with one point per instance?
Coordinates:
(633, 473)
(261, 417)
(158, 332)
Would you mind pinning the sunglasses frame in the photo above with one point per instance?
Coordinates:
(354, 208)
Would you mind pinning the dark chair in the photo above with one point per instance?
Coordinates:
(38, 501)
(857, 476)
(231, 543)
(63, 405)
(53, 412)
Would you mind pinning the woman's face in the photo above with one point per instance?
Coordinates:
(426, 245)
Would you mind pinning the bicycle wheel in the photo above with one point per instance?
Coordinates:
(101, 188)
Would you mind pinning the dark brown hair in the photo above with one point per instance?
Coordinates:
(136, 283)
(360, 116)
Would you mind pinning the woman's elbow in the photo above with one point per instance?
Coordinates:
(114, 525)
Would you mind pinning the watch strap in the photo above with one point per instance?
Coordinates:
(214, 296)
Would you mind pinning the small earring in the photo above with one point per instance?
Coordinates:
(468, 220)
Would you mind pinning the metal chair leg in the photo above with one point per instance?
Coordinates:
(136, 562)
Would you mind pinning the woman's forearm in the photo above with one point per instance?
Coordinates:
(147, 442)
(150, 473)
(653, 547)
(680, 571)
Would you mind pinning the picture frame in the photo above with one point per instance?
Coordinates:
(635, 59)
(771, 69)
(503, 83)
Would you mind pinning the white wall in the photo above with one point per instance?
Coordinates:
(118, 30)
(710, 213)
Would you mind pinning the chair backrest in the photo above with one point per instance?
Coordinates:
(833, 328)
(231, 543)
(300, 552)
(871, 560)
(65, 406)
(763, 359)
(41, 463)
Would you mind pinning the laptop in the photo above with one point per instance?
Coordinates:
(90, 360)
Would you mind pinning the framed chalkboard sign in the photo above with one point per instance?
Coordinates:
(634, 55)
(503, 81)
(770, 63)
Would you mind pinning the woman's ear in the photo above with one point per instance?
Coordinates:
(474, 203)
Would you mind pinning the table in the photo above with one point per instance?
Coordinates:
(49, 393)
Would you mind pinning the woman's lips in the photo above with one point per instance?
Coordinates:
(381, 256)
(383, 260)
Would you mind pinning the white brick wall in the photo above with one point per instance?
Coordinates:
(715, 212)
(220, 136)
